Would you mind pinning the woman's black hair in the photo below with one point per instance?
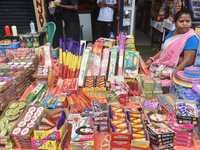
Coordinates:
(151, 113)
(183, 11)
(78, 131)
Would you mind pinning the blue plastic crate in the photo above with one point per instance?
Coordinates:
(11, 46)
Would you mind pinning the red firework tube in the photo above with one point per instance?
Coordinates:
(87, 97)
(84, 101)
(76, 103)
(81, 103)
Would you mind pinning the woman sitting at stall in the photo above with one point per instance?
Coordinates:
(178, 52)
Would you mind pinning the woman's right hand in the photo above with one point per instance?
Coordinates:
(148, 62)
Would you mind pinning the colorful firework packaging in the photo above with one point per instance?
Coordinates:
(89, 83)
(53, 122)
(23, 129)
(100, 83)
(160, 134)
(138, 130)
(186, 112)
(118, 120)
(9, 117)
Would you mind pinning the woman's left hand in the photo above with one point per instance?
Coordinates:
(164, 76)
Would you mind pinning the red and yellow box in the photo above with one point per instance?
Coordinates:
(49, 135)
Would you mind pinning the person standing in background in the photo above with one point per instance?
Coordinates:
(105, 18)
(71, 19)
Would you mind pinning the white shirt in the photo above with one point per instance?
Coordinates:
(106, 13)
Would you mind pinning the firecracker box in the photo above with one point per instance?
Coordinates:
(49, 135)
(148, 94)
(158, 84)
(189, 141)
(123, 98)
(51, 144)
(182, 144)
(106, 41)
(115, 147)
(19, 52)
(86, 145)
(137, 148)
(84, 141)
(138, 143)
(100, 83)
(120, 136)
(181, 119)
(89, 83)
(148, 83)
(44, 144)
(119, 143)
(130, 40)
(70, 86)
(111, 96)
(155, 93)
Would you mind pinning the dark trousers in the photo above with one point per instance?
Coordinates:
(104, 29)
(72, 30)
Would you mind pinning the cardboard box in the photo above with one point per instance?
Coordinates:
(119, 143)
(137, 148)
(187, 119)
(44, 144)
(24, 141)
(166, 102)
(70, 86)
(3, 139)
(161, 143)
(160, 140)
(120, 136)
(51, 144)
(51, 135)
(157, 130)
(164, 147)
(85, 140)
(111, 96)
(86, 89)
(150, 105)
(100, 88)
(182, 144)
(113, 147)
(85, 145)
(19, 52)
(184, 140)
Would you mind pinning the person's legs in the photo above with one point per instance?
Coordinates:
(100, 29)
(72, 30)
(108, 29)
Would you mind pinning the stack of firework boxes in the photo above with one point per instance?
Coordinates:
(151, 86)
(52, 139)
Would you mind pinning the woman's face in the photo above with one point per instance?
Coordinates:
(158, 117)
(86, 130)
(183, 24)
